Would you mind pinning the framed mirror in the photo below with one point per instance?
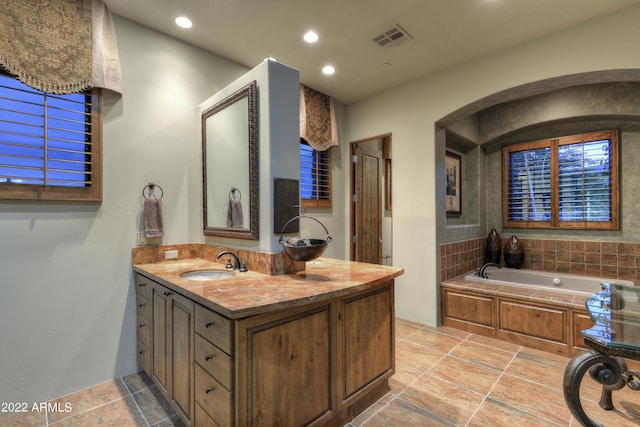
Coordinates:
(230, 166)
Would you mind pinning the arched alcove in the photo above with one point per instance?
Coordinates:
(554, 107)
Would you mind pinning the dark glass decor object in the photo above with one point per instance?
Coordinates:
(493, 250)
(513, 253)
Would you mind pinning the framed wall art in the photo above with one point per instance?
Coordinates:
(453, 170)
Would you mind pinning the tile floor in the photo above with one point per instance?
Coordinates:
(444, 377)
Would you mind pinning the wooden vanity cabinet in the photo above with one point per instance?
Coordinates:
(319, 364)
(167, 354)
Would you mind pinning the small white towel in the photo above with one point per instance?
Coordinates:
(153, 226)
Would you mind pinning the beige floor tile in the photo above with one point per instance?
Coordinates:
(404, 376)
(416, 356)
(434, 340)
(625, 414)
(483, 355)
(24, 419)
(496, 414)
(403, 329)
(536, 399)
(361, 419)
(119, 413)
(89, 398)
(446, 400)
(537, 370)
(467, 374)
(401, 413)
(494, 344)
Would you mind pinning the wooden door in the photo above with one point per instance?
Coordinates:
(367, 218)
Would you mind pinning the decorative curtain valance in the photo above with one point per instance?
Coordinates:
(48, 44)
(318, 125)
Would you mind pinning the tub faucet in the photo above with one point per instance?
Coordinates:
(236, 261)
(481, 271)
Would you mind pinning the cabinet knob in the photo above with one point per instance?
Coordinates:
(141, 351)
(141, 284)
(166, 294)
(208, 324)
(208, 357)
(141, 325)
(209, 390)
(141, 305)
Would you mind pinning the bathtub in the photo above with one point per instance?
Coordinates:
(581, 285)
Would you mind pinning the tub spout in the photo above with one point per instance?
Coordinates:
(481, 271)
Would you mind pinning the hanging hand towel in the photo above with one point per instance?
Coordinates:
(153, 226)
(234, 215)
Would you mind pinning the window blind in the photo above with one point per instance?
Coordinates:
(584, 181)
(529, 185)
(314, 173)
(45, 139)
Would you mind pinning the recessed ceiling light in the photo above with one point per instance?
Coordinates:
(311, 37)
(184, 22)
(328, 69)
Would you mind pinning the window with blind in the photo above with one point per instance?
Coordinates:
(567, 182)
(50, 146)
(315, 176)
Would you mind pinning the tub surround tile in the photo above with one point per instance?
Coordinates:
(613, 260)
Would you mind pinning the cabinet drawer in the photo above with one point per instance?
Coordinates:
(144, 330)
(213, 397)
(202, 419)
(215, 328)
(143, 306)
(144, 357)
(215, 361)
(143, 286)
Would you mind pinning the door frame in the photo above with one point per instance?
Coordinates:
(352, 186)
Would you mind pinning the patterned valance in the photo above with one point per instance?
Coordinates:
(48, 44)
(318, 126)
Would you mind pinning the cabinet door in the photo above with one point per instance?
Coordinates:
(172, 355)
(367, 345)
(160, 302)
(181, 355)
(287, 371)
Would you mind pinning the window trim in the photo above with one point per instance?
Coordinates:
(91, 194)
(320, 203)
(554, 143)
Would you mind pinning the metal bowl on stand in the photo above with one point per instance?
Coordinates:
(304, 249)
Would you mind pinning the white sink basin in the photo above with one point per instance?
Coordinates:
(203, 275)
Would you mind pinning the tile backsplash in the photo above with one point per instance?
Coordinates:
(615, 260)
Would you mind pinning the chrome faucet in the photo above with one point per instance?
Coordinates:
(236, 261)
(481, 271)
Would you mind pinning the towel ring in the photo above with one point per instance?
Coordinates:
(233, 192)
(151, 187)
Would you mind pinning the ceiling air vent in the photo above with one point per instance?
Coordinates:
(392, 37)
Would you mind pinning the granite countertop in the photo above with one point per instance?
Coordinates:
(251, 293)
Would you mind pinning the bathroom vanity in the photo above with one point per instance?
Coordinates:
(311, 348)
